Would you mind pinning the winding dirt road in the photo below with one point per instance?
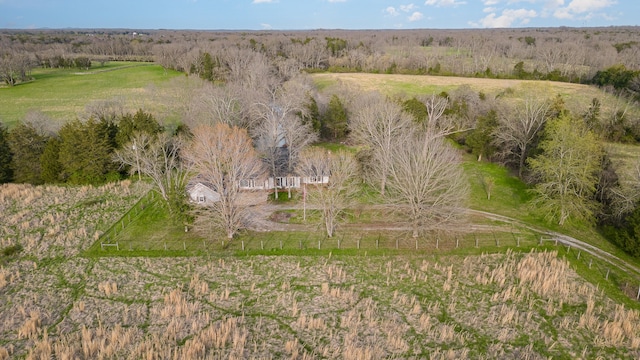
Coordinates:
(566, 241)
(266, 223)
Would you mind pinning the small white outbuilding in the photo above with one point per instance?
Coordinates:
(200, 193)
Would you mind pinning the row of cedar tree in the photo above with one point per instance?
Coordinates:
(81, 152)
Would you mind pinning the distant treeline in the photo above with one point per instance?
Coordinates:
(559, 54)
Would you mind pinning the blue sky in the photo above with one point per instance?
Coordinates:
(315, 14)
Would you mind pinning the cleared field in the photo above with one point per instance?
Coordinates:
(393, 84)
(577, 97)
(63, 94)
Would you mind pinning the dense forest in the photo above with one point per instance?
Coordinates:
(256, 81)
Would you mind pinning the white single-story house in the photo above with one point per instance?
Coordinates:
(200, 193)
(283, 182)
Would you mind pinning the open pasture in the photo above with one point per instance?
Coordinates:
(63, 94)
(577, 97)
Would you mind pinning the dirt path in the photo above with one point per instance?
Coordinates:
(566, 241)
(265, 222)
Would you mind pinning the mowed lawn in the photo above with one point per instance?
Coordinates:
(63, 94)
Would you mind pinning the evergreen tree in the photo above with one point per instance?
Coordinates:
(50, 161)
(85, 152)
(592, 115)
(480, 140)
(26, 144)
(139, 122)
(6, 171)
(313, 115)
(416, 108)
(627, 236)
(334, 124)
(207, 67)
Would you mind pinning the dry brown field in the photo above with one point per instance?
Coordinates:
(55, 302)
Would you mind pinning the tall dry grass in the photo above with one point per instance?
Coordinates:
(312, 307)
(51, 221)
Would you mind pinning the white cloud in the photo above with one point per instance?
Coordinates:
(581, 7)
(266, 26)
(408, 8)
(335, 1)
(391, 11)
(489, 10)
(444, 3)
(490, 2)
(262, 1)
(416, 16)
(507, 18)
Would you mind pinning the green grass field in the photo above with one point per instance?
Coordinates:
(63, 94)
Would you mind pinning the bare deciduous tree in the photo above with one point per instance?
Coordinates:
(437, 124)
(110, 110)
(280, 132)
(380, 124)
(626, 195)
(14, 67)
(427, 184)
(336, 196)
(213, 104)
(518, 128)
(158, 157)
(222, 157)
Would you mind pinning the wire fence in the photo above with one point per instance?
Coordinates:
(294, 241)
(108, 239)
(302, 242)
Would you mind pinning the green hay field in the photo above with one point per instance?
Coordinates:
(63, 94)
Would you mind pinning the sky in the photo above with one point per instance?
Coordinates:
(315, 14)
